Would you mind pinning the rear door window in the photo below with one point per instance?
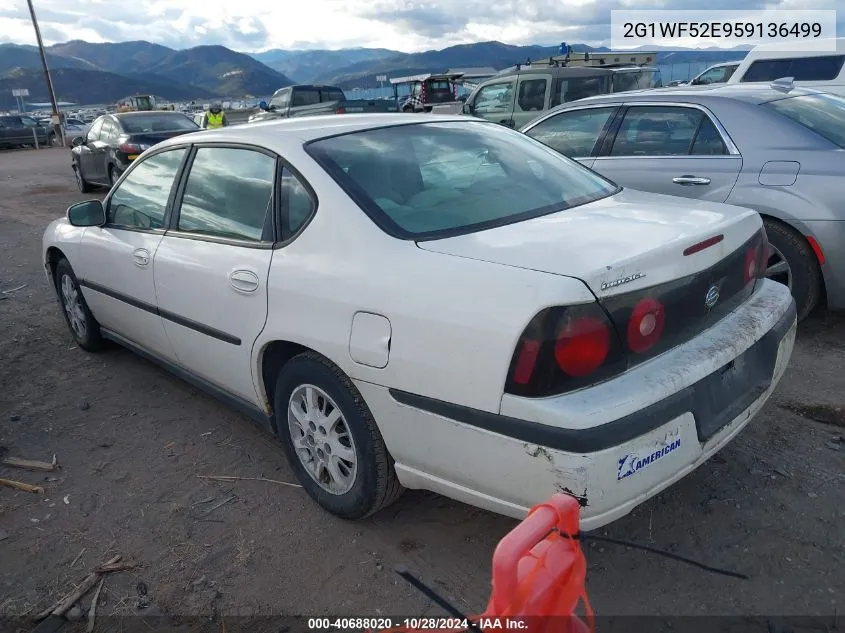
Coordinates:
(574, 88)
(305, 96)
(573, 133)
(657, 131)
(94, 131)
(229, 193)
(532, 94)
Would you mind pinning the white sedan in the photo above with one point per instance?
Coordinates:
(415, 301)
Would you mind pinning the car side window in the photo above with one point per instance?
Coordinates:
(228, 193)
(140, 200)
(572, 133)
(532, 95)
(94, 131)
(816, 68)
(714, 75)
(496, 97)
(708, 141)
(108, 132)
(297, 203)
(657, 131)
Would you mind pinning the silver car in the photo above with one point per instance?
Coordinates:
(776, 149)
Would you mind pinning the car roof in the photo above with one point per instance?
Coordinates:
(129, 115)
(749, 93)
(311, 128)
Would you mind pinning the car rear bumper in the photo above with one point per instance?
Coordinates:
(613, 445)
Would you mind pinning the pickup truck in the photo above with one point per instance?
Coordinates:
(310, 100)
(24, 130)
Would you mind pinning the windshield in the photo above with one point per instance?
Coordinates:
(147, 123)
(824, 114)
(433, 180)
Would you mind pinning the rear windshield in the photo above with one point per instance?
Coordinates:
(824, 114)
(155, 122)
(312, 96)
(433, 180)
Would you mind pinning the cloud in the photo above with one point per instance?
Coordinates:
(408, 25)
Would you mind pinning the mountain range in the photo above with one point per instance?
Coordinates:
(85, 72)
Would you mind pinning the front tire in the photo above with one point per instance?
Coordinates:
(83, 326)
(793, 263)
(331, 439)
(112, 176)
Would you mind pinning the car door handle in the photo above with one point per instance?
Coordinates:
(690, 180)
(141, 257)
(244, 280)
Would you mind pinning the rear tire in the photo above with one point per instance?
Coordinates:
(82, 324)
(793, 263)
(112, 177)
(83, 185)
(360, 483)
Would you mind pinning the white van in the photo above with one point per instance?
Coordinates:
(816, 68)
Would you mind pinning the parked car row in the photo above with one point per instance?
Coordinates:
(410, 301)
(775, 149)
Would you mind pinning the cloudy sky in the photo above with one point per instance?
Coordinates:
(407, 25)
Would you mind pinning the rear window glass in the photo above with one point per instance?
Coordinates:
(574, 88)
(332, 94)
(440, 85)
(823, 114)
(147, 123)
(624, 81)
(431, 180)
(824, 68)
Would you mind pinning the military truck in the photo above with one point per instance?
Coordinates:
(518, 94)
(310, 100)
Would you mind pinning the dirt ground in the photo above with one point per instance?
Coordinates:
(131, 441)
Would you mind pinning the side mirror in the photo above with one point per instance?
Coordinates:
(467, 109)
(77, 141)
(88, 213)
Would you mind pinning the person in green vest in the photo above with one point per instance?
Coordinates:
(214, 117)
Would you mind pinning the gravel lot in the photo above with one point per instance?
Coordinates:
(131, 441)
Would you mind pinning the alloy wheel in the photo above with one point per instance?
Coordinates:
(72, 303)
(322, 439)
(777, 268)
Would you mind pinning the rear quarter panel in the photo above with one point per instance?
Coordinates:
(454, 321)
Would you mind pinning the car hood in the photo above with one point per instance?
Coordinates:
(618, 244)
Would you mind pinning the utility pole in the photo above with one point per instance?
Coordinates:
(57, 124)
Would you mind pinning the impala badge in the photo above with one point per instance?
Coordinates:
(622, 280)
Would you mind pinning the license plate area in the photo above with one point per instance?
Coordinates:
(726, 393)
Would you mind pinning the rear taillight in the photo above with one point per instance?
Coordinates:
(565, 348)
(582, 345)
(130, 148)
(340, 111)
(646, 324)
(756, 258)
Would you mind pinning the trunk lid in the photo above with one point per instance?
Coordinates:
(617, 245)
